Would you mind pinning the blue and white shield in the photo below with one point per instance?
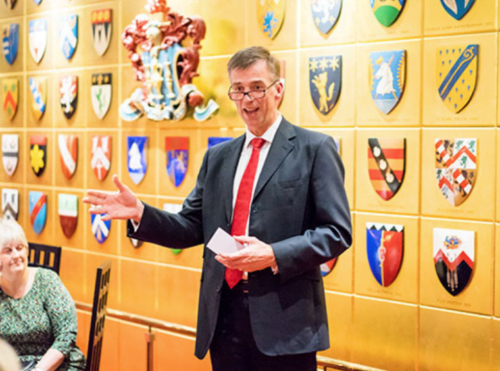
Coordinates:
(325, 14)
(136, 158)
(325, 81)
(68, 34)
(100, 228)
(387, 78)
(10, 42)
(457, 8)
(213, 141)
(37, 2)
(177, 158)
(38, 210)
(37, 38)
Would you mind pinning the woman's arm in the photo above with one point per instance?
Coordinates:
(50, 361)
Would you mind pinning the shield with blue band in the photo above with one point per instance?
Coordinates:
(325, 81)
(457, 8)
(136, 158)
(100, 228)
(325, 14)
(38, 210)
(213, 141)
(177, 158)
(10, 42)
(68, 34)
(384, 248)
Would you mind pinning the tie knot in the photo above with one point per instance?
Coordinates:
(258, 143)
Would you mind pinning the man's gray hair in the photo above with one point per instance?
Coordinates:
(248, 56)
(11, 231)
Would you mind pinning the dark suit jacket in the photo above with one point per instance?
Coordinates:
(299, 207)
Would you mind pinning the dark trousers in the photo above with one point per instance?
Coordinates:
(233, 347)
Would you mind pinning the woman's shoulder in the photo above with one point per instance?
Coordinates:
(45, 275)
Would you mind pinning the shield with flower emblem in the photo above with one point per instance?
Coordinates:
(38, 154)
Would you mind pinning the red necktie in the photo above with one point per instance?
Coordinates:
(242, 205)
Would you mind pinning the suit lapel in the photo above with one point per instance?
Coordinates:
(280, 148)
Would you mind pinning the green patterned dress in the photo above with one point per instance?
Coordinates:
(44, 318)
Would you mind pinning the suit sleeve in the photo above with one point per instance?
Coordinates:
(178, 231)
(330, 232)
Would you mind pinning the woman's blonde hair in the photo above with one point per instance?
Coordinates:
(11, 231)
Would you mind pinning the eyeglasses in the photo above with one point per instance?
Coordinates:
(252, 94)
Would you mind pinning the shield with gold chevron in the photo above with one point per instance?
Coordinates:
(38, 88)
(386, 165)
(270, 16)
(38, 153)
(456, 72)
(325, 81)
(38, 210)
(10, 100)
(68, 152)
(325, 14)
(456, 168)
(387, 78)
(387, 11)
(457, 8)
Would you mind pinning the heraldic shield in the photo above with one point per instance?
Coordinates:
(68, 89)
(457, 8)
(386, 165)
(387, 78)
(38, 210)
(454, 258)
(100, 93)
(326, 268)
(68, 152)
(10, 153)
(136, 158)
(10, 100)
(325, 82)
(270, 16)
(456, 70)
(387, 12)
(68, 34)
(38, 88)
(325, 14)
(10, 42)
(38, 153)
(101, 156)
(100, 228)
(165, 62)
(101, 29)
(177, 158)
(384, 248)
(10, 203)
(10, 4)
(68, 213)
(38, 38)
(456, 169)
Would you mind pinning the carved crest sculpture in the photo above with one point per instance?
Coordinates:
(164, 50)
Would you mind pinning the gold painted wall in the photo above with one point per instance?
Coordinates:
(414, 324)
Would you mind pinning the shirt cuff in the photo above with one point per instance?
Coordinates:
(135, 225)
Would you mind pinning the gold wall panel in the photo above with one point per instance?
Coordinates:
(289, 107)
(178, 347)
(409, 23)
(23, 158)
(138, 285)
(47, 177)
(73, 272)
(19, 119)
(110, 345)
(405, 287)
(6, 12)
(478, 112)
(453, 341)
(407, 111)
(18, 64)
(379, 329)
(111, 245)
(496, 342)
(93, 262)
(132, 345)
(112, 117)
(407, 198)
(47, 120)
(52, 47)
(82, 337)
(77, 240)
(77, 180)
(287, 37)
(477, 297)
(91, 180)
(343, 112)
(344, 31)
(340, 309)
(480, 204)
(497, 274)
(481, 17)
(47, 235)
(498, 176)
(177, 294)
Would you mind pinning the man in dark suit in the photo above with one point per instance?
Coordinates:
(279, 191)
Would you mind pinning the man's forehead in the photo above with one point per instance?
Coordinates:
(250, 81)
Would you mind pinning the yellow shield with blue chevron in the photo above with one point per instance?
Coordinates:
(456, 73)
(270, 16)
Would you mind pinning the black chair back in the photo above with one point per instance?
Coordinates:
(44, 256)
(98, 316)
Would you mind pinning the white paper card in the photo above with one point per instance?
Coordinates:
(223, 242)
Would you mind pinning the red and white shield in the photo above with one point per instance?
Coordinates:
(101, 155)
(68, 151)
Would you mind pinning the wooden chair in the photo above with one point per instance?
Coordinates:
(98, 316)
(44, 256)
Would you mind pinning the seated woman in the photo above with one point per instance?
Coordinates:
(37, 313)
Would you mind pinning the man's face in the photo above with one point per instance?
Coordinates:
(258, 114)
